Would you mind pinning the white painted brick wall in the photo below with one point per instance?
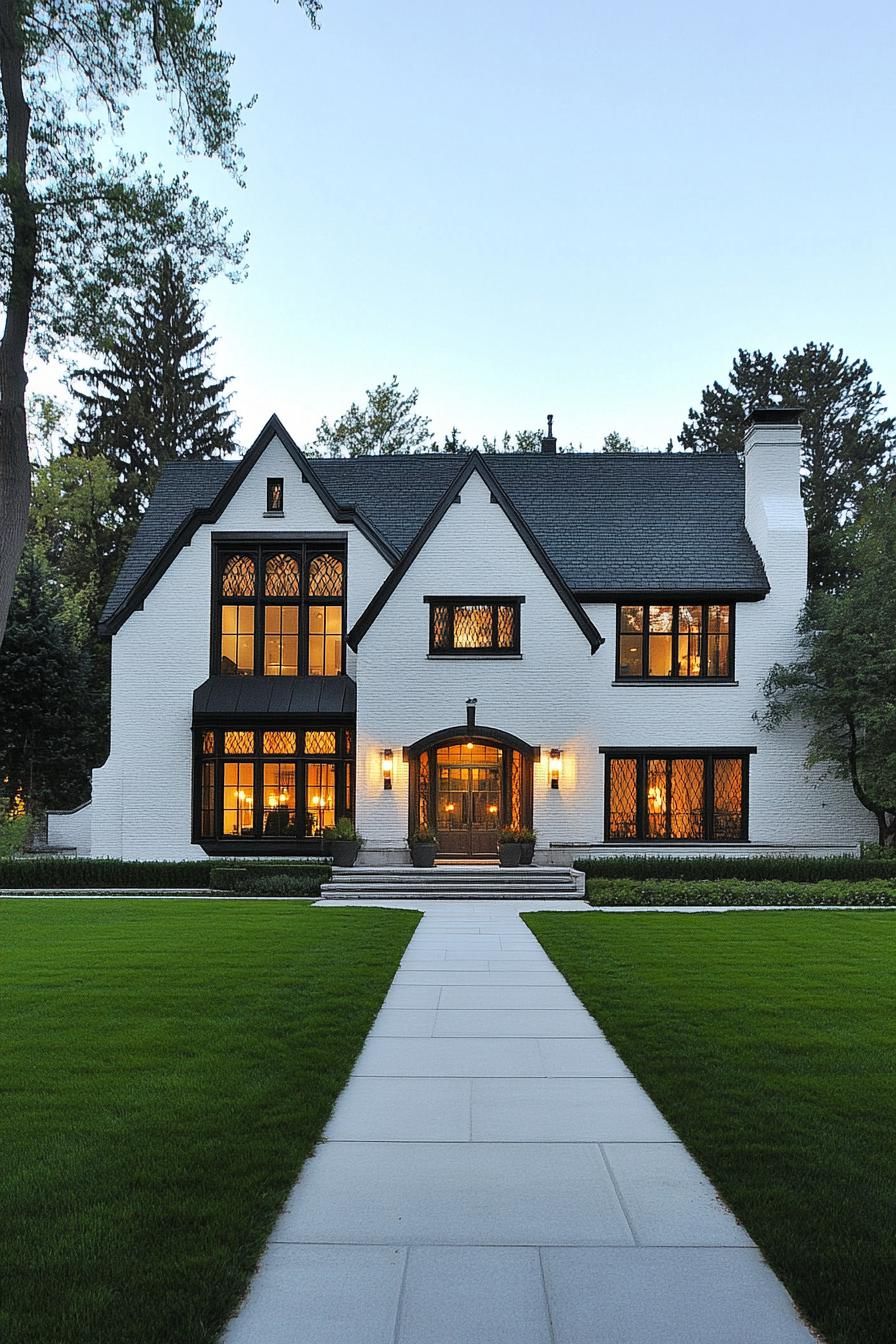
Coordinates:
(142, 794)
(556, 694)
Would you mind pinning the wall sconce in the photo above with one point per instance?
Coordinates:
(387, 768)
(555, 767)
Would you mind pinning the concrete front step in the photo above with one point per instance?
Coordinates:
(454, 883)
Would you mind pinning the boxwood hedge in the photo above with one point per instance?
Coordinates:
(736, 891)
(874, 863)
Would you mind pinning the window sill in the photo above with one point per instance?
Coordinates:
(480, 657)
(676, 681)
(272, 513)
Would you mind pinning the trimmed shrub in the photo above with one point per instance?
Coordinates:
(238, 877)
(13, 834)
(293, 885)
(17, 874)
(778, 868)
(666, 891)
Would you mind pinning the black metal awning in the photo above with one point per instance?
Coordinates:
(239, 700)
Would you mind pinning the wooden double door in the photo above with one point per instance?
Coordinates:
(469, 800)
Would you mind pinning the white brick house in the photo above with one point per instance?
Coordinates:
(570, 642)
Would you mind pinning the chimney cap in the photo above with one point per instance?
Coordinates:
(548, 442)
(775, 415)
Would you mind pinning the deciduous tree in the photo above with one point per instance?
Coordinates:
(843, 684)
(81, 226)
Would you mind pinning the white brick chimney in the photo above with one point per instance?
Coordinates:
(773, 505)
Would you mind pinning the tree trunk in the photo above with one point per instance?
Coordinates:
(15, 472)
(886, 828)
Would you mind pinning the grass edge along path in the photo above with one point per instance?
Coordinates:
(168, 1066)
(766, 1039)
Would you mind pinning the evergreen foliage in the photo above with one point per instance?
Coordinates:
(849, 442)
(153, 398)
(45, 684)
(844, 681)
(389, 422)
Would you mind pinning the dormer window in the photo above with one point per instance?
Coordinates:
(275, 494)
(280, 610)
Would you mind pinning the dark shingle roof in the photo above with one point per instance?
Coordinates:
(632, 522)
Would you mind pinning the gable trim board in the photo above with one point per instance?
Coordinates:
(475, 463)
(274, 429)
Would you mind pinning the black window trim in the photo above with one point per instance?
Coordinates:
(708, 755)
(480, 600)
(704, 601)
(262, 547)
(272, 483)
(258, 843)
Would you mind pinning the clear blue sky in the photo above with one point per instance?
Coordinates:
(579, 207)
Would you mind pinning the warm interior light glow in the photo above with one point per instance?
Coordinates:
(272, 799)
(387, 768)
(469, 746)
(656, 798)
(493, 809)
(555, 766)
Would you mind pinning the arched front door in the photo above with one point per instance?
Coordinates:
(466, 786)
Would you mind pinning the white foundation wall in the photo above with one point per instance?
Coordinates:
(142, 795)
(558, 695)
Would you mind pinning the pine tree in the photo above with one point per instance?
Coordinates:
(849, 441)
(153, 398)
(47, 734)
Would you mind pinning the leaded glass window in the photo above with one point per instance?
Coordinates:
(289, 625)
(470, 627)
(664, 796)
(674, 641)
(272, 783)
(325, 576)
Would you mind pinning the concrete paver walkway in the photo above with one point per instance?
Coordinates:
(493, 1174)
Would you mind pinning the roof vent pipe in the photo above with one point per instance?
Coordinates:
(548, 442)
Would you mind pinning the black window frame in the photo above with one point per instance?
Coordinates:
(488, 651)
(258, 843)
(709, 755)
(273, 484)
(645, 603)
(304, 549)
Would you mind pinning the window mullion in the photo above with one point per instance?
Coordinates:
(709, 811)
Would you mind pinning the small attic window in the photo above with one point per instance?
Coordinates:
(275, 494)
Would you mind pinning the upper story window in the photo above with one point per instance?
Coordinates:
(280, 610)
(677, 640)
(471, 625)
(275, 494)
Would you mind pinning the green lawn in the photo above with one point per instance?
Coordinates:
(167, 1067)
(767, 1039)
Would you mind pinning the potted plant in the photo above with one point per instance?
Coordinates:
(527, 845)
(344, 842)
(424, 845)
(509, 849)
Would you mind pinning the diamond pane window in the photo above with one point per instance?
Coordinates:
(693, 797)
(728, 799)
(423, 791)
(239, 743)
(623, 799)
(208, 744)
(440, 635)
(320, 744)
(472, 627)
(281, 576)
(238, 579)
(325, 576)
(207, 800)
(279, 744)
(506, 627)
(516, 790)
(687, 818)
